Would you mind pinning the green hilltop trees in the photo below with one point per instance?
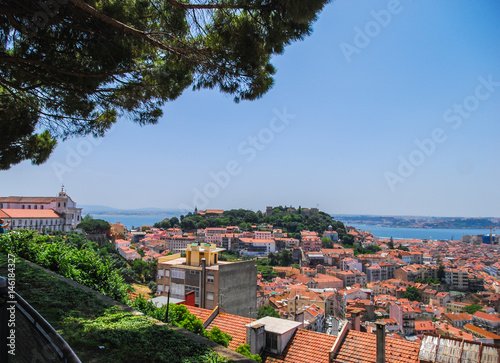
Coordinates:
(91, 225)
(73, 67)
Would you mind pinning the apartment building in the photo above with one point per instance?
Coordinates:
(411, 273)
(412, 258)
(405, 316)
(461, 279)
(455, 307)
(128, 253)
(311, 243)
(386, 271)
(351, 264)
(373, 273)
(214, 235)
(337, 302)
(179, 243)
(232, 286)
(352, 277)
(297, 299)
(256, 247)
(263, 235)
(230, 242)
(489, 322)
(457, 320)
(333, 235)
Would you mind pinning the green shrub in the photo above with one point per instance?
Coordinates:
(245, 350)
(83, 265)
(218, 336)
(179, 315)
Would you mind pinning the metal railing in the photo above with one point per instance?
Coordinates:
(31, 337)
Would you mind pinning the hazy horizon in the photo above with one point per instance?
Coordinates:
(159, 210)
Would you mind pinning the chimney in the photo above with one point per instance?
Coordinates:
(356, 319)
(256, 338)
(380, 341)
(203, 282)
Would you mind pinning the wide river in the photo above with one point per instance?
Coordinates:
(377, 231)
(132, 220)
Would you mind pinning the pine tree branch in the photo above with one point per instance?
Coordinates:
(181, 5)
(127, 29)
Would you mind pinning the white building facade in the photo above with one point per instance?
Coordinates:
(39, 213)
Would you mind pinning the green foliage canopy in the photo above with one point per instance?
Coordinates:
(91, 225)
(412, 293)
(290, 223)
(472, 309)
(73, 67)
(267, 310)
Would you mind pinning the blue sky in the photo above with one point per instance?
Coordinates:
(389, 107)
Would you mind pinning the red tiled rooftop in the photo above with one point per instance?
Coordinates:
(424, 325)
(28, 213)
(306, 347)
(234, 325)
(362, 347)
(200, 313)
(481, 332)
(485, 316)
(458, 317)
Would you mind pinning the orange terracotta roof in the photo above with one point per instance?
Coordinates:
(234, 325)
(458, 317)
(481, 332)
(200, 313)
(305, 347)
(450, 330)
(29, 213)
(424, 325)
(362, 347)
(485, 316)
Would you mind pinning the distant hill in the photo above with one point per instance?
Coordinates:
(419, 222)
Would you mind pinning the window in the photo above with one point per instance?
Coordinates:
(177, 274)
(272, 342)
(177, 289)
(35, 207)
(41, 207)
(210, 279)
(210, 295)
(167, 273)
(29, 207)
(22, 207)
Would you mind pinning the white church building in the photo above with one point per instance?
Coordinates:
(41, 213)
